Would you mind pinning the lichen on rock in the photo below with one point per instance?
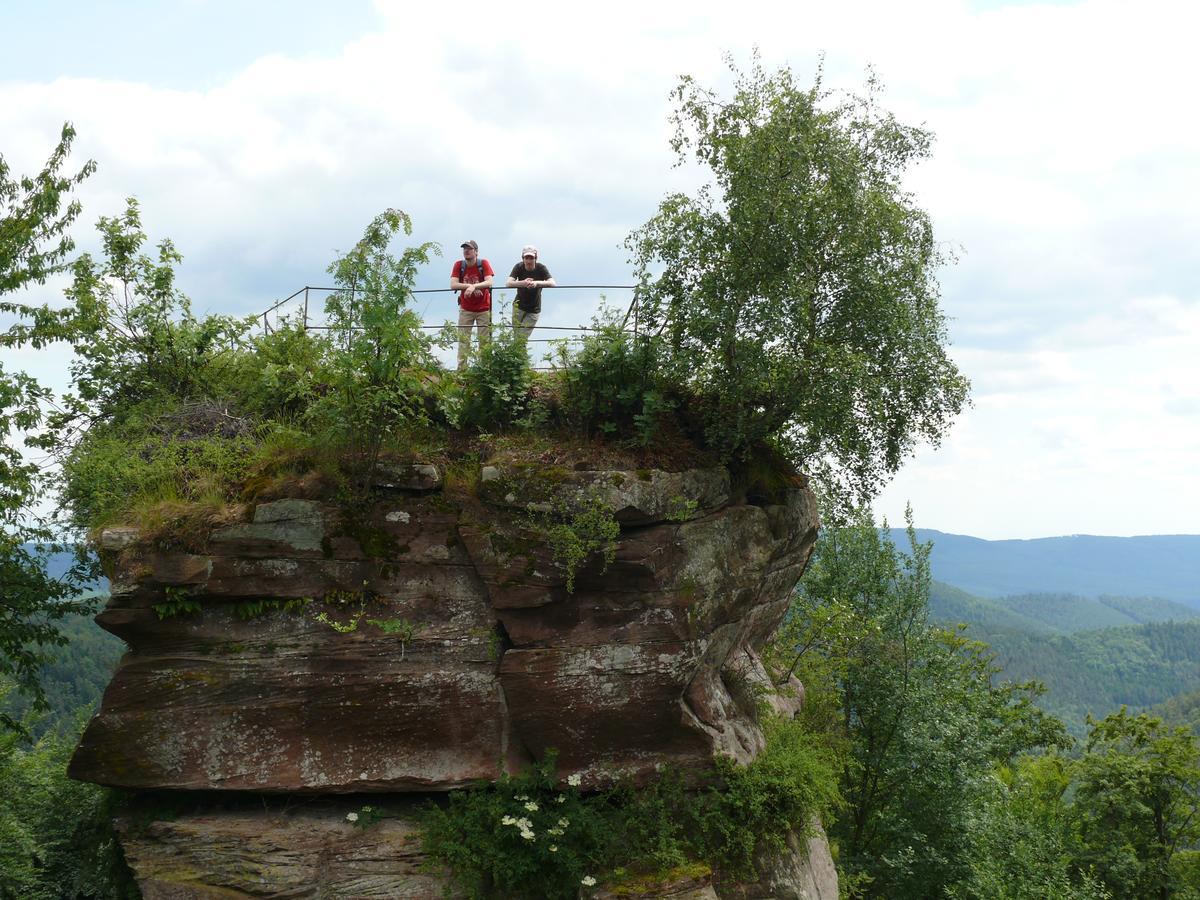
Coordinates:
(649, 661)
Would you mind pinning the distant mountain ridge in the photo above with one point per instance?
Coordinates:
(1165, 566)
(1094, 654)
(1047, 614)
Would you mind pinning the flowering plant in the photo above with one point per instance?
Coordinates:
(527, 835)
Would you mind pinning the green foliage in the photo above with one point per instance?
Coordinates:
(910, 707)
(178, 603)
(32, 601)
(1137, 803)
(1055, 638)
(495, 387)
(264, 606)
(1180, 710)
(72, 679)
(114, 470)
(798, 298)
(1023, 839)
(496, 838)
(366, 817)
(953, 607)
(1069, 613)
(33, 245)
(31, 607)
(523, 836)
(403, 630)
(134, 335)
(376, 381)
(33, 223)
(1097, 672)
(577, 529)
(788, 787)
(611, 383)
(56, 836)
(281, 373)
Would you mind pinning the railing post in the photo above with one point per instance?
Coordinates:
(306, 308)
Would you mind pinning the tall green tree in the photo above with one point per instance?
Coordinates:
(1024, 846)
(56, 835)
(1137, 804)
(378, 382)
(32, 601)
(34, 243)
(797, 291)
(920, 724)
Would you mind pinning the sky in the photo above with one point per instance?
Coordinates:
(262, 137)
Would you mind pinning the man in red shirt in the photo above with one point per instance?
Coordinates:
(472, 276)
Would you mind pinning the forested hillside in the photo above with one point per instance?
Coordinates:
(1050, 613)
(1054, 639)
(1182, 709)
(75, 678)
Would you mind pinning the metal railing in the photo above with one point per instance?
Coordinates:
(304, 296)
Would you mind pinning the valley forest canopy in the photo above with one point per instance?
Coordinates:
(793, 325)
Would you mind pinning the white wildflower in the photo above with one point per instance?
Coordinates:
(563, 823)
(555, 831)
(508, 820)
(520, 797)
(574, 780)
(588, 881)
(531, 806)
(351, 817)
(528, 835)
(561, 798)
(524, 824)
(553, 848)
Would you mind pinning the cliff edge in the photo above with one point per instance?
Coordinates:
(426, 639)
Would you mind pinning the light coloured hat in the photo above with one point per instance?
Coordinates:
(529, 250)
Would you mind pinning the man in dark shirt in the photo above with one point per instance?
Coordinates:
(529, 277)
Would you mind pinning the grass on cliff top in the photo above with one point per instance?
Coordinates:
(184, 481)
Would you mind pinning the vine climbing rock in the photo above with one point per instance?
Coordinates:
(427, 638)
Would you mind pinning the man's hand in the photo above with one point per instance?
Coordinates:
(529, 282)
(469, 291)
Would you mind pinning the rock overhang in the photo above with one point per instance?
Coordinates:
(501, 663)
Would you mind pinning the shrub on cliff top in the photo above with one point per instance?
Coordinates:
(375, 381)
(611, 384)
(493, 392)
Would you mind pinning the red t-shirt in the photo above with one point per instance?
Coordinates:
(480, 300)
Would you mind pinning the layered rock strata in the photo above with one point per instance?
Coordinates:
(426, 640)
(467, 656)
(313, 851)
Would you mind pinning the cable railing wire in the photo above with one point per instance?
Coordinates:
(307, 290)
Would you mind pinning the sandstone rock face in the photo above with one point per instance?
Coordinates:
(312, 851)
(250, 694)
(803, 871)
(423, 641)
(307, 853)
(304, 853)
(468, 655)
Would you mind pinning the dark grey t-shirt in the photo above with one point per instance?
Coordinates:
(529, 299)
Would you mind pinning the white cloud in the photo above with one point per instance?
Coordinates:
(1064, 166)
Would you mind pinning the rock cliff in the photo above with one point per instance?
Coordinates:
(427, 639)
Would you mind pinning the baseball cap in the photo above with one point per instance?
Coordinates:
(471, 244)
(528, 250)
